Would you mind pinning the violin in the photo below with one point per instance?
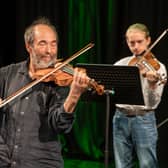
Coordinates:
(145, 63)
(64, 77)
(148, 62)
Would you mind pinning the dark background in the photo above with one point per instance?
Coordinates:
(79, 22)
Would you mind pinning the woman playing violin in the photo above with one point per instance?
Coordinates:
(134, 126)
(32, 122)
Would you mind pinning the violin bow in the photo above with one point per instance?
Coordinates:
(156, 41)
(30, 85)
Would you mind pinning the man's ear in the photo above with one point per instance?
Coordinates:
(28, 47)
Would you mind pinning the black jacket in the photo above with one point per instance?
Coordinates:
(31, 123)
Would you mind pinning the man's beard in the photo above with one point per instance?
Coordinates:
(40, 64)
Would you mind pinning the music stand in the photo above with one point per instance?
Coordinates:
(122, 83)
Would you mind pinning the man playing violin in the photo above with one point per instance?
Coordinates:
(31, 123)
(134, 126)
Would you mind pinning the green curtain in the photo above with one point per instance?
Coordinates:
(85, 25)
(88, 22)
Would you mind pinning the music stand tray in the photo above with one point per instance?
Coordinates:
(123, 81)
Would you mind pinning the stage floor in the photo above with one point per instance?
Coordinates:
(72, 163)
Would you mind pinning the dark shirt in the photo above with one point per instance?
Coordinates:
(31, 123)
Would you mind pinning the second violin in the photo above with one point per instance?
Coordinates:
(148, 62)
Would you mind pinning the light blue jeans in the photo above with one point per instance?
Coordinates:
(135, 134)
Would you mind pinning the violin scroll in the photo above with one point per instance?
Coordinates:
(99, 88)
